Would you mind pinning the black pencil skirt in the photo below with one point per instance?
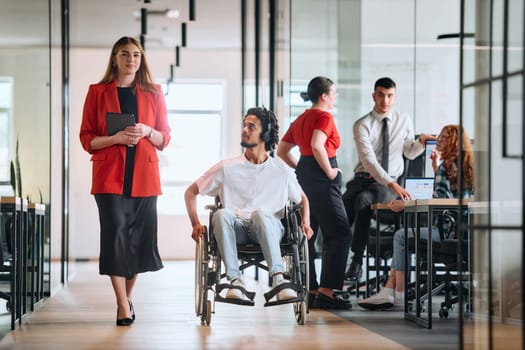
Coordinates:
(128, 235)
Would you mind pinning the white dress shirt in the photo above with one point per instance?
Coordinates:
(369, 143)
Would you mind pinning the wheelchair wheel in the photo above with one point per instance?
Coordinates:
(300, 310)
(201, 275)
(304, 268)
(206, 315)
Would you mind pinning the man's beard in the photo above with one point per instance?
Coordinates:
(248, 145)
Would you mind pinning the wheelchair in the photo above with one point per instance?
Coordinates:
(294, 250)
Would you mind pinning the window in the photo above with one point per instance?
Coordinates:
(6, 103)
(195, 112)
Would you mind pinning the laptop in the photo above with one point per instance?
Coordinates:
(420, 187)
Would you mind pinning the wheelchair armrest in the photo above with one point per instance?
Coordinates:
(295, 207)
(212, 207)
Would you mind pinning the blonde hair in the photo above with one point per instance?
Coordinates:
(142, 77)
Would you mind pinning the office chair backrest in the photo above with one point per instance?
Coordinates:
(6, 242)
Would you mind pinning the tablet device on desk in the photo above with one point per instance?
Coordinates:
(116, 122)
(420, 187)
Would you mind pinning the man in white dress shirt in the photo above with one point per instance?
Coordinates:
(375, 178)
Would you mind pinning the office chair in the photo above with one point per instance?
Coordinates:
(390, 223)
(450, 264)
(6, 258)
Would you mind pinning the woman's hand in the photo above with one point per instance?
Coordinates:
(135, 133)
(125, 137)
(139, 130)
(435, 156)
(332, 174)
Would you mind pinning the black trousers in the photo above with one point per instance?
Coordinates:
(327, 212)
(361, 192)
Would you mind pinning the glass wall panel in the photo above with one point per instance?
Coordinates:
(249, 90)
(514, 116)
(515, 25)
(437, 67)
(497, 36)
(469, 44)
(497, 213)
(282, 63)
(25, 62)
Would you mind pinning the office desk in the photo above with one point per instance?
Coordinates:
(415, 210)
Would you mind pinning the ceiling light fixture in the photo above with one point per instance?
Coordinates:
(172, 14)
(192, 10)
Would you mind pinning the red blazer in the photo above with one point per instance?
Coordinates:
(108, 163)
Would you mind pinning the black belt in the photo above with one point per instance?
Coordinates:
(365, 175)
(362, 175)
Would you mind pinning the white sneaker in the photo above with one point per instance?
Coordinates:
(399, 300)
(382, 300)
(286, 293)
(234, 293)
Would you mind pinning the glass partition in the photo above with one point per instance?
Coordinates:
(355, 54)
(25, 108)
(493, 92)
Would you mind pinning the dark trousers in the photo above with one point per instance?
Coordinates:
(327, 212)
(361, 192)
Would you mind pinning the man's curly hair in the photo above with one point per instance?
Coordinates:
(268, 120)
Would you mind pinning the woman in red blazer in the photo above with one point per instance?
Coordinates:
(126, 179)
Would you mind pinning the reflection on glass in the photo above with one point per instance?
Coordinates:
(514, 115)
(5, 149)
(515, 48)
(498, 31)
(6, 102)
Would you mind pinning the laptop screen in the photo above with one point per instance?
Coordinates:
(420, 187)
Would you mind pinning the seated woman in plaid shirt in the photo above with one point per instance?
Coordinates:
(445, 160)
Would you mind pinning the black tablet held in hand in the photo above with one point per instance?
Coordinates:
(118, 121)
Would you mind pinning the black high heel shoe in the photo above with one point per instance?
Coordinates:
(132, 310)
(126, 321)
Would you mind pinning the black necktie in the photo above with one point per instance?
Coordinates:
(384, 159)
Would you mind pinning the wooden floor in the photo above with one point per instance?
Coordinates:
(82, 316)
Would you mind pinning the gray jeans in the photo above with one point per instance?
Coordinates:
(398, 258)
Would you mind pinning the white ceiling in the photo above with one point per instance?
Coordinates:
(99, 23)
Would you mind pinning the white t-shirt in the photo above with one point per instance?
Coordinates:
(244, 186)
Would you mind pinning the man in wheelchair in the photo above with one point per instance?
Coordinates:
(253, 189)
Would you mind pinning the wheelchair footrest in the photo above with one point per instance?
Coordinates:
(282, 302)
(247, 294)
(244, 302)
(273, 292)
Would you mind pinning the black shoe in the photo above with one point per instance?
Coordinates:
(311, 299)
(126, 321)
(132, 310)
(354, 271)
(337, 302)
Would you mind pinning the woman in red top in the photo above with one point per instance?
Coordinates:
(125, 178)
(315, 133)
